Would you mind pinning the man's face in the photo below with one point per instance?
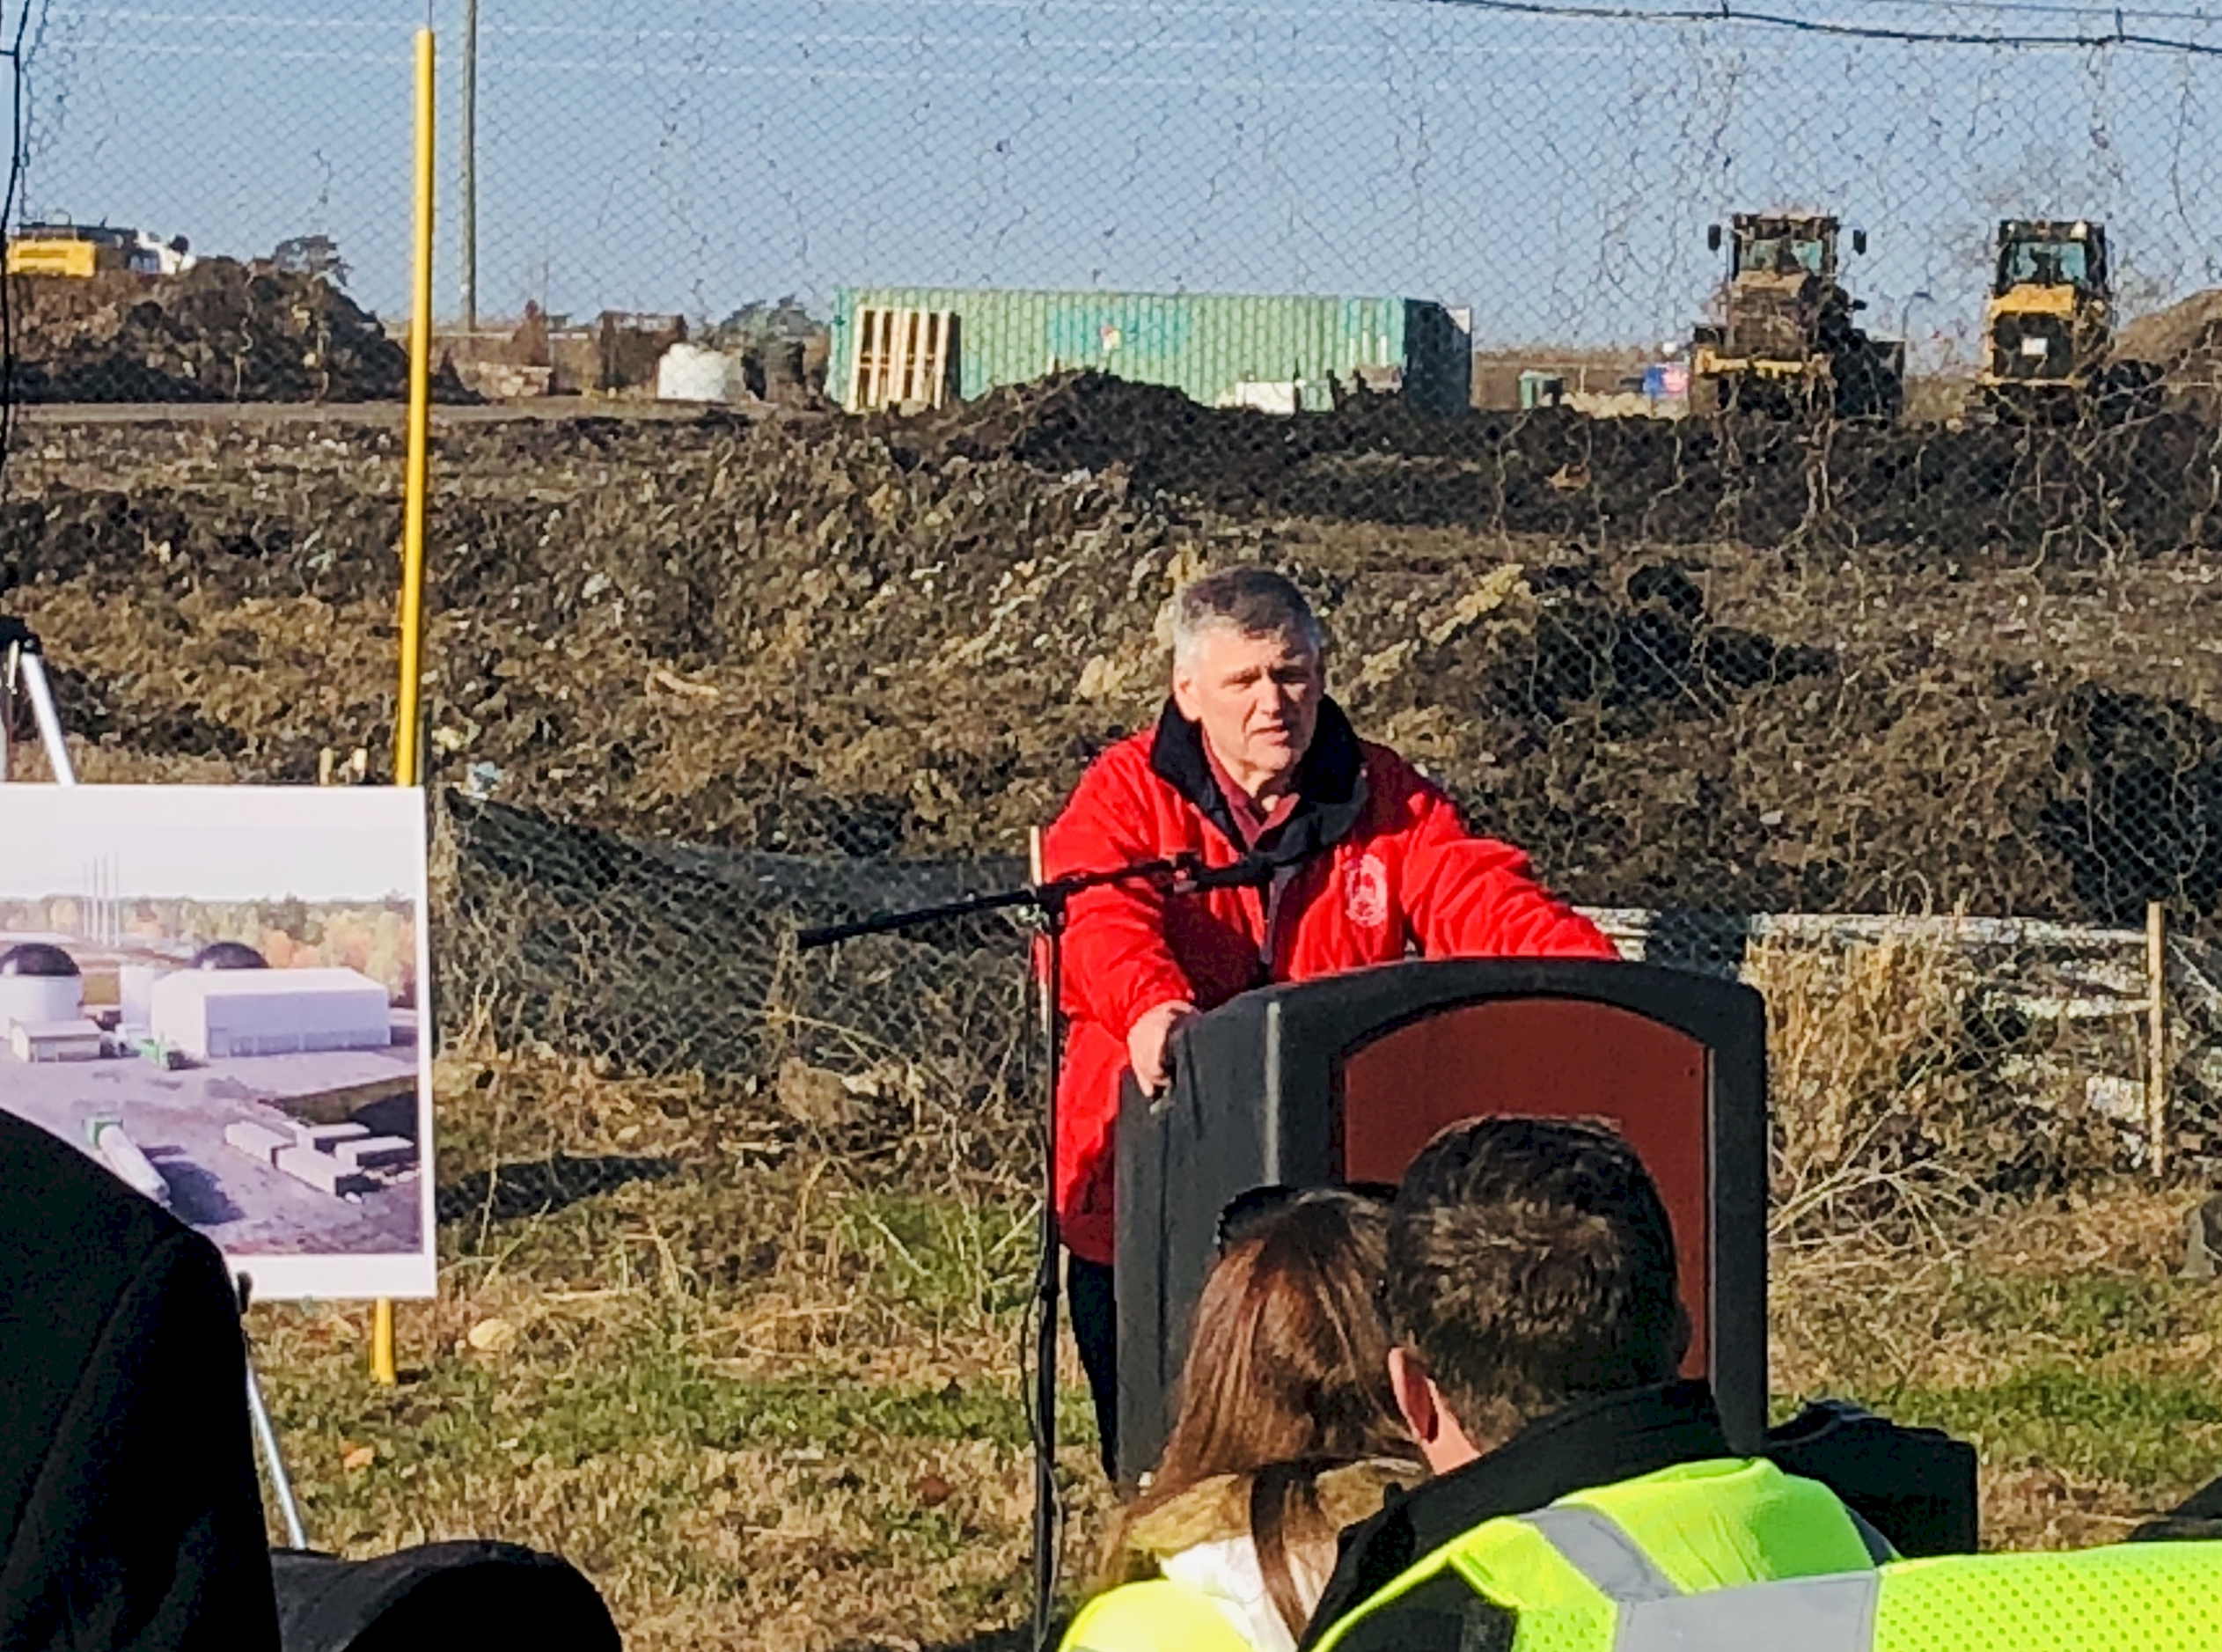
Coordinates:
(1257, 699)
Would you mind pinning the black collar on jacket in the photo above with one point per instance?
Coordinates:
(1597, 1443)
(1330, 784)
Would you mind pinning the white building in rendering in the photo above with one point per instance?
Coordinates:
(214, 1015)
(75, 1040)
(40, 985)
(135, 995)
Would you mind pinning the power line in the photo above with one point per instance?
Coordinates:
(1725, 12)
(2197, 16)
(2120, 34)
(2031, 8)
(285, 55)
(2041, 8)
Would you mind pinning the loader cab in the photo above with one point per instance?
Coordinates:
(2038, 253)
(1767, 246)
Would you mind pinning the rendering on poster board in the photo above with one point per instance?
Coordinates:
(215, 992)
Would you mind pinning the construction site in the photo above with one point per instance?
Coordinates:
(1767, 473)
(699, 672)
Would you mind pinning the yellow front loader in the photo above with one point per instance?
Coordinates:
(2048, 328)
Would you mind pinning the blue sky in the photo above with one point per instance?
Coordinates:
(1555, 174)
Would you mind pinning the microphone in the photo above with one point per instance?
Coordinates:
(1251, 871)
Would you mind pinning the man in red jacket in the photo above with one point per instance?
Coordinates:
(1370, 859)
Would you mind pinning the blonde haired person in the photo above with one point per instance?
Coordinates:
(1287, 1432)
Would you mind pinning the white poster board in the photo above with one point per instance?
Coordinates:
(216, 992)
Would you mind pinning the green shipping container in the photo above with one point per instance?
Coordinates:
(1219, 349)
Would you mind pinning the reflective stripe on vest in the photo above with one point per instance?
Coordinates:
(1598, 1549)
(1627, 1577)
(1831, 1613)
(2150, 1597)
(1575, 1573)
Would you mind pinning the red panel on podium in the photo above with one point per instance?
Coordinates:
(1551, 1056)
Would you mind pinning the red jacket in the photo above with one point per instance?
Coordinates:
(1390, 867)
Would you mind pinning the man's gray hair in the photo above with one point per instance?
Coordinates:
(1248, 601)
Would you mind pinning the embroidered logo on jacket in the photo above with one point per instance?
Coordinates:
(1366, 893)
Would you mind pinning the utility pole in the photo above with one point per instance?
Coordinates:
(470, 260)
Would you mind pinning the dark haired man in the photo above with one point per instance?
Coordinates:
(1369, 860)
(1535, 1330)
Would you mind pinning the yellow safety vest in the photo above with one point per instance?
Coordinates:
(1157, 1615)
(1573, 1572)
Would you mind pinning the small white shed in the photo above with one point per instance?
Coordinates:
(216, 1015)
(74, 1041)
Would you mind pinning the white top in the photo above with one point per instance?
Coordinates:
(1227, 1574)
(265, 983)
(43, 1031)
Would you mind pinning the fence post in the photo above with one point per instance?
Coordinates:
(408, 732)
(2156, 1078)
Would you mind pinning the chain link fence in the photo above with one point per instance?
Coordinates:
(833, 394)
(1978, 1057)
(1746, 501)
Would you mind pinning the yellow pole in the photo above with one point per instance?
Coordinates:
(406, 718)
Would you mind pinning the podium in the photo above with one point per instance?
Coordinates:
(1344, 1079)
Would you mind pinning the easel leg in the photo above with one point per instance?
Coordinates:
(267, 1435)
(23, 675)
(23, 672)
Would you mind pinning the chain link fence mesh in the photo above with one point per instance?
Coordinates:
(1832, 606)
(1974, 1056)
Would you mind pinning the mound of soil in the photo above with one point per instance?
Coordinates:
(220, 332)
(2185, 334)
(2079, 493)
(818, 636)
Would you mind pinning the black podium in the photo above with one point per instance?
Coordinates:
(1344, 1079)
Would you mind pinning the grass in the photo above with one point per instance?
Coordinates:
(762, 1399)
(772, 1399)
(2052, 1336)
(848, 1492)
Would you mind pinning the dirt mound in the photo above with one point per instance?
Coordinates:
(2077, 494)
(221, 332)
(2182, 335)
(821, 637)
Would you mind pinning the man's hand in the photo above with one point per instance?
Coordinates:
(1146, 1044)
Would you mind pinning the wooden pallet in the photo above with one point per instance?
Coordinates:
(903, 358)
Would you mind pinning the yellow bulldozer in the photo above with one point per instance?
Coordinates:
(2048, 329)
(81, 251)
(1782, 340)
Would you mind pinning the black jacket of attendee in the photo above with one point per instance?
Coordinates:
(129, 1513)
(1638, 1431)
